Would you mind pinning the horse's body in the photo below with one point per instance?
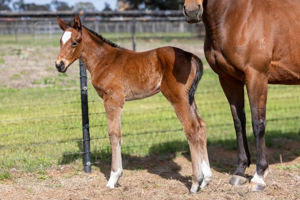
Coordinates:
(252, 43)
(118, 75)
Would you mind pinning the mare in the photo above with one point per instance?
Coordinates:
(120, 75)
(250, 43)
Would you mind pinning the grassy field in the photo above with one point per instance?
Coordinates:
(40, 126)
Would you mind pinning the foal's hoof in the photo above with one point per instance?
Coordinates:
(194, 189)
(110, 186)
(256, 187)
(238, 180)
(192, 192)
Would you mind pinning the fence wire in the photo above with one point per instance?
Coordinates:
(145, 126)
(40, 125)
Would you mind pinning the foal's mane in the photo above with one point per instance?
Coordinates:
(102, 38)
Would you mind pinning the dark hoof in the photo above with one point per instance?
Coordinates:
(256, 187)
(238, 180)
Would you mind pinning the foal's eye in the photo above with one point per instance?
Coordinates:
(74, 44)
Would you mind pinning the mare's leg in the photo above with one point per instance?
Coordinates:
(234, 91)
(113, 108)
(257, 87)
(195, 131)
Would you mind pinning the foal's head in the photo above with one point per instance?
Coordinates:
(70, 44)
(193, 10)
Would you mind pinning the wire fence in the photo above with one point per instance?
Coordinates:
(49, 137)
(37, 133)
(41, 121)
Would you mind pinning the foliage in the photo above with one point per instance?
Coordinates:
(20, 5)
(4, 5)
(84, 6)
(106, 7)
(154, 4)
(164, 4)
(60, 5)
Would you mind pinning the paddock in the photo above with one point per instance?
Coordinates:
(41, 139)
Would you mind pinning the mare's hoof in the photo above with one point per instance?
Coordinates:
(238, 180)
(256, 187)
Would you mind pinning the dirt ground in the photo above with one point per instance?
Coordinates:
(160, 178)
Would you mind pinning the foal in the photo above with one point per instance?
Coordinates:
(119, 75)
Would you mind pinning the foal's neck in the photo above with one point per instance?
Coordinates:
(95, 50)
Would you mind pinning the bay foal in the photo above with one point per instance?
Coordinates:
(119, 75)
(250, 43)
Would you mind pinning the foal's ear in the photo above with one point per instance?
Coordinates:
(63, 25)
(77, 23)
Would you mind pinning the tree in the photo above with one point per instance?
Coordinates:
(4, 5)
(19, 5)
(35, 7)
(60, 5)
(153, 4)
(84, 6)
(164, 4)
(107, 7)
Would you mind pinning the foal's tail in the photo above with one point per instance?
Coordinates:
(199, 71)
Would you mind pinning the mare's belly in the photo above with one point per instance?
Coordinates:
(280, 73)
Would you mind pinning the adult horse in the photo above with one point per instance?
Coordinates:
(252, 43)
(119, 75)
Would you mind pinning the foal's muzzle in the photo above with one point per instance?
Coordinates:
(60, 66)
(193, 15)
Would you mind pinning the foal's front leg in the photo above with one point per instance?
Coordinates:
(113, 107)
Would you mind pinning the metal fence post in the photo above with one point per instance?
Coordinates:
(85, 119)
(85, 113)
(133, 34)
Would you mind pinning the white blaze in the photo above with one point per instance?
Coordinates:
(66, 36)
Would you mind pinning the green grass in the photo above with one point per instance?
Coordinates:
(53, 40)
(41, 127)
(289, 167)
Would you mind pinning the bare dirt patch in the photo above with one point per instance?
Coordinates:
(28, 67)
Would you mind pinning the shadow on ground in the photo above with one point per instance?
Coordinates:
(222, 154)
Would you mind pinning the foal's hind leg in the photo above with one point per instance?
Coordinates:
(113, 108)
(205, 163)
(195, 131)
